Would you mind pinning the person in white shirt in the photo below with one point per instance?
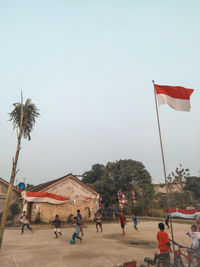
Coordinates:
(195, 237)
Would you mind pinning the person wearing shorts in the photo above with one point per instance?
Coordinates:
(98, 218)
(122, 220)
(79, 218)
(57, 224)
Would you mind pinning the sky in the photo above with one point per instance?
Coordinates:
(88, 66)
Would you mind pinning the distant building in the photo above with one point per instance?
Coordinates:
(161, 188)
(46, 205)
(15, 195)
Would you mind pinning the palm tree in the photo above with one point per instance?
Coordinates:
(23, 117)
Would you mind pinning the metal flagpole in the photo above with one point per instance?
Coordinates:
(164, 168)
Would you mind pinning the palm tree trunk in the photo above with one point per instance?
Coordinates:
(12, 178)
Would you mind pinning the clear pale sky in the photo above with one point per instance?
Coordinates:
(89, 66)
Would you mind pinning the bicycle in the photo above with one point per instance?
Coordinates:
(160, 260)
(181, 259)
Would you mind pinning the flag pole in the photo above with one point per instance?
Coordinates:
(164, 167)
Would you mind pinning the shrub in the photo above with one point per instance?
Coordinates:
(70, 218)
(14, 209)
(37, 218)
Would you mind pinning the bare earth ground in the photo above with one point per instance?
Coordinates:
(107, 249)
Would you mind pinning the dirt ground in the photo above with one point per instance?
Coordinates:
(107, 249)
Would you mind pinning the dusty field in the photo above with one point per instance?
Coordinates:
(107, 249)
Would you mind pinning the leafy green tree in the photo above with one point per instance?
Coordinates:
(97, 172)
(193, 185)
(178, 178)
(123, 176)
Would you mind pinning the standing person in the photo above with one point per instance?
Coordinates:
(167, 221)
(25, 222)
(77, 231)
(122, 220)
(197, 216)
(79, 218)
(57, 223)
(163, 244)
(135, 222)
(195, 235)
(98, 218)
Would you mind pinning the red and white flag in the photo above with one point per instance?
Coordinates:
(133, 194)
(43, 197)
(176, 97)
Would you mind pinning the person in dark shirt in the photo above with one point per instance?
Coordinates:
(79, 218)
(122, 220)
(57, 224)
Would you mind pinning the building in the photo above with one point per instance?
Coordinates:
(15, 195)
(161, 188)
(62, 196)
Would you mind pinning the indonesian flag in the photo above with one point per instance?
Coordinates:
(182, 213)
(176, 97)
(43, 197)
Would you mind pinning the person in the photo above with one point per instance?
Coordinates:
(77, 231)
(98, 219)
(163, 244)
(57, 225)
(25, 222)
(135, 222)
(79, 218)
(197, 216)
(122, 220)
(195, 235)
(167, 221)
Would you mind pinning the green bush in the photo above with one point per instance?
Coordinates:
(14, 209)
(157, 213)
(70, 218)
(37, 218)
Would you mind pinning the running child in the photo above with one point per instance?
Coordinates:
(25, 222)
(98, 218)
(79, 218)
(57, 223)
(122, 220)
(77, 231)
(135, 222)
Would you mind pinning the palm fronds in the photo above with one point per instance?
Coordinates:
(30, 112)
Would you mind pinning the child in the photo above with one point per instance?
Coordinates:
(135, 222)
(195, 237)
(77, 230)
(167, 221)
(122, 220)
(98, 218)
(25, 222)
(57, 224)
(163, 243)
(79, 218)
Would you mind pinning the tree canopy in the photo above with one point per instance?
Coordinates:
(122, 176)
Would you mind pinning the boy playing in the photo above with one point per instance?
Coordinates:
(163, 243)
(57, 224)
(98, 218)
(25, 222)
(122, 220)
(77, 230)
(135, 222)
(79, 218)
(195, 237)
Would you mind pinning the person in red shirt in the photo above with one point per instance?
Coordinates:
(163, 243)
(122, 220)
